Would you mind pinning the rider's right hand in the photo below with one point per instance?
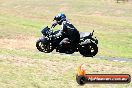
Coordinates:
(53, 24)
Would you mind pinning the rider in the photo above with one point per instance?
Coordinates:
(67, 30)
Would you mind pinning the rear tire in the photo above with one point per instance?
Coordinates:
(89, 50)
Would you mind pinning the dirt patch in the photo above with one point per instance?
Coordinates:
(19, 42)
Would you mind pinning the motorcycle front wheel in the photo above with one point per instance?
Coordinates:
(44, 47)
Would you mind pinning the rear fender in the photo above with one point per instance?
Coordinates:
(89, 41)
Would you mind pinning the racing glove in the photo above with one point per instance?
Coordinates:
(53, 24)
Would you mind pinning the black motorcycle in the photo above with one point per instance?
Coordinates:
(48, 42)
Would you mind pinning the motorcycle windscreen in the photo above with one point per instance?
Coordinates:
(45, 31)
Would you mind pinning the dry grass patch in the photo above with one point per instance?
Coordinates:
(19, 42)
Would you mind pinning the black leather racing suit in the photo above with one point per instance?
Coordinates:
(69, 31)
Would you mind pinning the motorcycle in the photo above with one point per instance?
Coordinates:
(48, 42)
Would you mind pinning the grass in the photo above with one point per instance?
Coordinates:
(30, 69)
(22, 66)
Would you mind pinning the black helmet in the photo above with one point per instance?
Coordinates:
(60, 18)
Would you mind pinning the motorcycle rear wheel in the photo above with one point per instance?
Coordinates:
(89, 50)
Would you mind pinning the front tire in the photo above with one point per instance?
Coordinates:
(47, 48)
(89, 50)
